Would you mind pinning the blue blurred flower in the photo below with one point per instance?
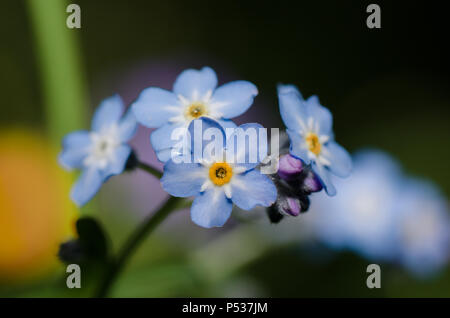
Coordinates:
(423, 227)
(363, 216)
(309, 126)
(194, 95)
(216, 183)
(100, 153)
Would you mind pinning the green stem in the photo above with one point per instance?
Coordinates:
(60, 66)
(150, 169)
(133, 242)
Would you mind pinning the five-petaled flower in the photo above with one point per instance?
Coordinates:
(194, 95)
(100, 153)
(309, 126)
(217, 183)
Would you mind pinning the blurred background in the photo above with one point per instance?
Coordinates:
(388, 90)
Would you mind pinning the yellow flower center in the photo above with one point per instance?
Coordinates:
(195, 110)
(220, 173)
(312, 140)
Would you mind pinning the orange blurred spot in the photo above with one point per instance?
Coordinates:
(36, 214)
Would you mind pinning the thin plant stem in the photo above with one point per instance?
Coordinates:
(143, 231)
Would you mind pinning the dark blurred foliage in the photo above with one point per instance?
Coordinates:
(387, 88)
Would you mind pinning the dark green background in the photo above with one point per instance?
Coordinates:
(387, 88)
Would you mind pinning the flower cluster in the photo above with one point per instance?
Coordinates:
(385, 216)
(215, 181)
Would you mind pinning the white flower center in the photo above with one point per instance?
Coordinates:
(196, 106)
(103, 147)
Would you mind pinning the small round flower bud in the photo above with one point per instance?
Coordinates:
(311, 183)
(291, 206)
(289, 167)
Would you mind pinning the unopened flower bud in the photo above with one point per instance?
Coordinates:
(289, 167)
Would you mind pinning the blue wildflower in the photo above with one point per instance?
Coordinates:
(100, 153)
(194, 95)
(309, 126)
(362, 217)
(217, 183)
(423, 227)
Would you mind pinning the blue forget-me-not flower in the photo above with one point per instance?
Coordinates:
(362, 217)
(217, 183)
(195, 94)
(423, 227)
(309, 126)
(101, 152)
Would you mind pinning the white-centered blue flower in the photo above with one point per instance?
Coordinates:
(101, 152)
(194, 95)
(309, 126)
(423, 227)
(217, 183)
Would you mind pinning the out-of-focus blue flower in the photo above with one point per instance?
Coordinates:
(194, 95)
(423, 227)
(216, 183)
(363, 216)
(309, 126)
(101, 152)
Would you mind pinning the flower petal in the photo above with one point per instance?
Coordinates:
(127, 126)
(321, 115)
(226, 123)
(162, 142)
(298, 146)
(324, 176)
(194, 84)
(252, 188)
(211, 208)
(75, 148)
(339, 158)
(107, 113)
(292, 109)
(284, 89)
(121, 155)
(243, 146)
(183, 179)
(203, 132)
(155, 106)
(233, 99)
(87, 186)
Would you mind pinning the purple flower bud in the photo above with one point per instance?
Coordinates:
(291, 206)
(311, 183)
(289, 167)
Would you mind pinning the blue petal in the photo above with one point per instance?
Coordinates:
(162, 142)
(246, 155)
(292, 109)
(197, 129)
(284, 89)
(87, 186)
(251, 189)
(234, 98)
(340, 160)
(183, 179)
(155, 106)
(107, 113)
(324, 176)
(127, 126)
(193, 82)
(226, 123)
(321, 115)
(121, 155)
(211, 208)
(75, 148)
(297, 147)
